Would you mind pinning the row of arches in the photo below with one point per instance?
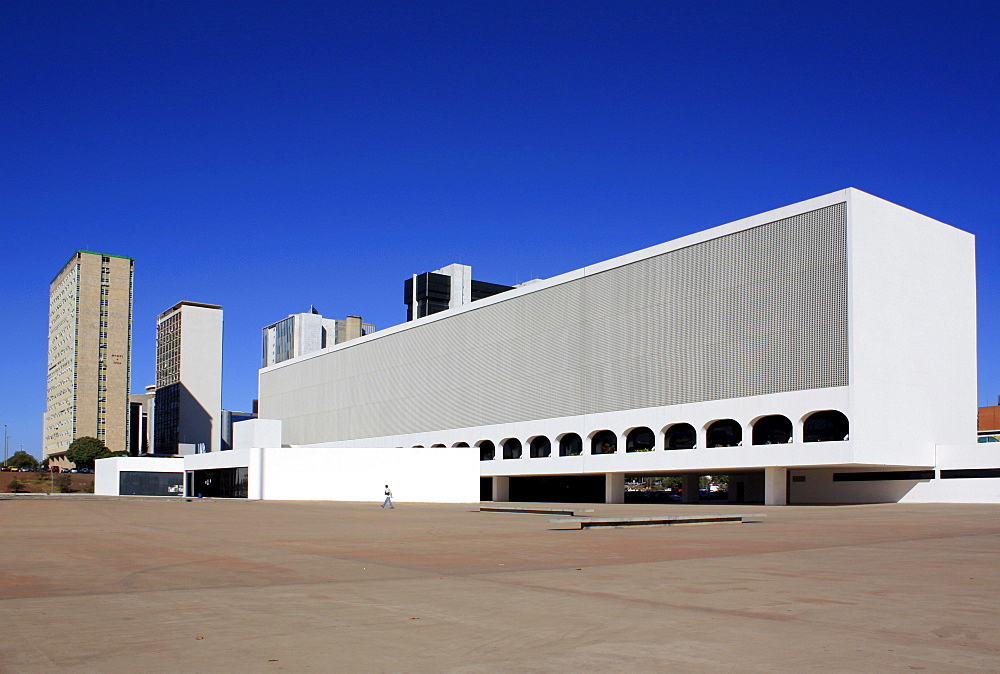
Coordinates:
(775, 429)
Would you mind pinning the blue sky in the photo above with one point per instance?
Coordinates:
(267, 156)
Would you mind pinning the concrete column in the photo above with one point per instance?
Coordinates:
(501, 488)
(614, 487)
(690, 486)
(255, 474)
(776, 486)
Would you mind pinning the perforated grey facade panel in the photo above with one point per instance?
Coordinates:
(759, 311)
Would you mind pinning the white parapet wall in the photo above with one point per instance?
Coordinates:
(256, 433)
(415, 475)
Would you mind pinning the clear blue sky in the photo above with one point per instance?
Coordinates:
(271, 155)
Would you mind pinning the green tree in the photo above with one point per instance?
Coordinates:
(21, 459)
(84, 451)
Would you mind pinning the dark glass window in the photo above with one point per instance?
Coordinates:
(724, 433)
(825, 426)
(604, 442)
(487, 450)
(680, 436)
(540, 447)
(570, 445)
(772, 430)
(640, 440)
(512, 448)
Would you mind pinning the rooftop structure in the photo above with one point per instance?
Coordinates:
(305, 333)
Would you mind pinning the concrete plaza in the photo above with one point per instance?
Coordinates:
(96, 585)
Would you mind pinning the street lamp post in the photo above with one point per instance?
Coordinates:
(5, 436)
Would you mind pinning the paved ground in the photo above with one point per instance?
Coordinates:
(95, 585)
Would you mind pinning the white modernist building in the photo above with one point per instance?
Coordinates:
(821, 352)
(188, 398)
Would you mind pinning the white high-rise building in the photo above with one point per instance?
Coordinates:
(188, 379)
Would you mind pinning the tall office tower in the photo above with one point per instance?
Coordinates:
(300, 334)
(447, 288)
(188, 398)
(90, 353)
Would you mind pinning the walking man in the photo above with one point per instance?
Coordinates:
(388, 497)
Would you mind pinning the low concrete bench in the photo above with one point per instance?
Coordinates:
(533, 510)
(660, 520)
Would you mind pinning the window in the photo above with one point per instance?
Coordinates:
(104, 291)
(825, 426)
(640, 440)
(570, 445)
(487, 450)
(772, 430)
(511, 448)
(681, 436)
(539, 447)
(604, 442)
(724, 433)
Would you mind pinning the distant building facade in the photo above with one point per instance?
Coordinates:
(446, 288)
(140, 428)
(989, 424)
(90, 352)
(188, 400)
(304, 333)
(230, 417)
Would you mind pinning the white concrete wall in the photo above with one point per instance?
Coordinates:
(352, 474)
(256, 433)
(793, 405)
(106, 471)
(912, 332)
(201, 375)
(360, 474)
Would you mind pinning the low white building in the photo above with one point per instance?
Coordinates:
(296, 473)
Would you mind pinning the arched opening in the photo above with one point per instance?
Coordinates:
(438, 445)
(461, 444)
(570, 445)
(724, 433)
(487, 450)
(604, 442)
(640, 439)
(511, 448)
(825, 426)
(680, 436)
(539, 447)
(418, 446)
(772, 430)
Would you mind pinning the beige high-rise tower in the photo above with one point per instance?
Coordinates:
(90, 353)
